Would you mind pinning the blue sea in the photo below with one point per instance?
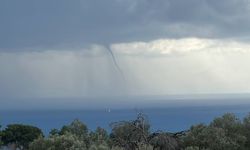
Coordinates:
(170, 119)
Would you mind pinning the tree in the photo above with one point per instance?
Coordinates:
(233, 129)
(99, 137)
(225, 132)
(195, 137)
(54, 132)
(230, 123)
(163, 141)
(77, 128)
(20, 135)
(130, 134)
(66, 141)
(1, 134)
(246, 124)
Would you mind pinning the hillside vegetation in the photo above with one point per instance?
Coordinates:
(224, 133)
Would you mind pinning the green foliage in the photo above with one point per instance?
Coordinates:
(99, 147)
(246, 124)
(145, 147)
(54, 132)
(130, 134)
(163, 141)
(99, 136)
(1, 134)
(99, 139)
(117, 148)
(225, 132)
(192, 148)
(76, 128)
(20, 135)
(66, 141)
(233, 128)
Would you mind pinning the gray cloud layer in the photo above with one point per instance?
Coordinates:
(29, 24)
(160, 67)
(58, 49)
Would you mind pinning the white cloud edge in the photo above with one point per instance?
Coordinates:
(154, 48)
(163, 47)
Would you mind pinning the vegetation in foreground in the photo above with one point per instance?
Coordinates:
(223, 133)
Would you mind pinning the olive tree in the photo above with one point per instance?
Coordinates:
(130, 134)
(99, 138)
(20, 136)
(76, 128)
(58, 142)
(163, 141)
(224, 132)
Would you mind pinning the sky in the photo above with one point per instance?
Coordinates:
(111, 48)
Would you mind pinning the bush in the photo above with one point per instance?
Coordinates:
(58, 142)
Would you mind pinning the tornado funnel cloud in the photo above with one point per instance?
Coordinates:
(115, 63)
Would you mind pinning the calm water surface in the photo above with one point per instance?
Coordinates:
(169, 119)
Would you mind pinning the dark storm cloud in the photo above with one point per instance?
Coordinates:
(54, 24)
